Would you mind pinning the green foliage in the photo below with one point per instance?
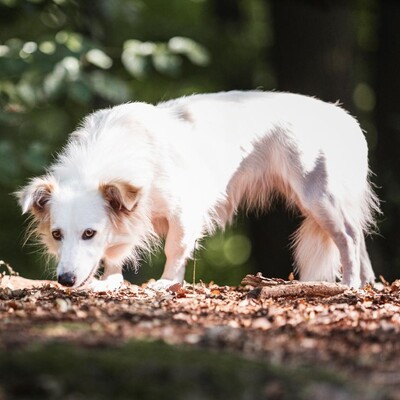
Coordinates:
(61, 64)
(138, 56)
(36, 70)
(61, 59)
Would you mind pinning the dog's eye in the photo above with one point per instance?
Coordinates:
(88, 234)
(57, 235)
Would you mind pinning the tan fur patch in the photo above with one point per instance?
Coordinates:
(40, 197)
(121, 197)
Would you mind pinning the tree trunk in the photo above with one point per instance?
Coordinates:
(314, 46)
(388, 124)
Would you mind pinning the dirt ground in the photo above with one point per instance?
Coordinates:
(355, 333)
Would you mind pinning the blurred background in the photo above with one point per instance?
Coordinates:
(61, 59)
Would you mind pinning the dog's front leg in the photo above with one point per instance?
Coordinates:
(179, 245)
(111, 280)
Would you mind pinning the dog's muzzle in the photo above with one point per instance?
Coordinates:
(68, 279)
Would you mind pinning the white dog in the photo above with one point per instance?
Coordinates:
(137, 172)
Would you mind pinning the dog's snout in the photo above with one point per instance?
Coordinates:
(67, 279)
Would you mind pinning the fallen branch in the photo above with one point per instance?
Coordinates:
(17, 282)
(273, 288)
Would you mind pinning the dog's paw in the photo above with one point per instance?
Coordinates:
(110, 284)
(368, 281)
(352, 282)
(161, 285)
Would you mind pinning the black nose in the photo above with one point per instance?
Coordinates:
(67, 279)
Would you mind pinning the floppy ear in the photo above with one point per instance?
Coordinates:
(35, 196)
(121, 197)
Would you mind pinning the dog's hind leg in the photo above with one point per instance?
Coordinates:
(316, 257)
(367, 273)
(331, 227)
(331, 236)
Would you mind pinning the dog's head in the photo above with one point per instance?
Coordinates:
(80, 226)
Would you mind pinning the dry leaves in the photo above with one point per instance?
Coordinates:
(354, 330)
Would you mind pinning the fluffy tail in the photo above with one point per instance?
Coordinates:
(370, 209)
(316, 256)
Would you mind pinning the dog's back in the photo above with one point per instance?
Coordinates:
(277, 138)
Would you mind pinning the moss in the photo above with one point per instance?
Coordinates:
(145, 370)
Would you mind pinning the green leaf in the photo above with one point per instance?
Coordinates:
(134, 57)
(67, 70)
(98, 58)
(166, 62)
(27, 93)
(196, 53)
(109, 87)
(53, 83)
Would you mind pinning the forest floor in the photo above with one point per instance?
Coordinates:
(199, 342)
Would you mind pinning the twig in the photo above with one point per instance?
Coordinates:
(280, 288)
(11, 272)
(194, 264)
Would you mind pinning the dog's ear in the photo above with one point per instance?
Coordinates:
(35, 196)
(121, 197)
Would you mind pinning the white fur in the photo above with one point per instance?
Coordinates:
(194, 161)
